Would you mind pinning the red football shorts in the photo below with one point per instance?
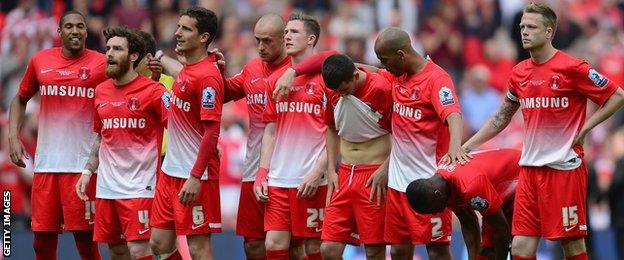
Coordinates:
(250, 219)
(550, 203)
(203, 216)
(404, 226)
(350, 217)
(121, 220)
(55, 204)
(303, 217)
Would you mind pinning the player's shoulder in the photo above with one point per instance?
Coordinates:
(104, 86)
(94, 54)
(47, 54)
(434, 71)
(254, 63)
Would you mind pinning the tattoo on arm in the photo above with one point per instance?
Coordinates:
(503, 116)
(94, 160)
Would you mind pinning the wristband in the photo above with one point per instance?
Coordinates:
(87, 172)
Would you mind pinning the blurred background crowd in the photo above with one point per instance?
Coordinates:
(476, 41)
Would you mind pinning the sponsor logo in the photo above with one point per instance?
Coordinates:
(544, 102)
(598, 79)
(83, 73)
(446, 96)
(479, 203)
(66, 91)
(406, 111)
(64, 72)
(209, 97)
(298, 107)
(117, 103)
(193, 227)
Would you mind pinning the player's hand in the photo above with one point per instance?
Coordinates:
(378, 182)
(81, 186)
(17, 152)
(154, 65)
(220, 59)
(332, 185)
(261, 186)
(580, 139)
(284, 84)
(456, 155)
(309, 185)
(189, 191)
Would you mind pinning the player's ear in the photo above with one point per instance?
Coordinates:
(134, 56)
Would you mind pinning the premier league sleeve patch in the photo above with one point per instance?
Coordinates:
(598, 79)
(479, 203)
(446, 96)
(166, 99)
(209, 97)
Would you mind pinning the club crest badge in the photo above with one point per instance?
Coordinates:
(133, 104)
(309, 88)
(555, 82)
(84, 73)
(415, 93)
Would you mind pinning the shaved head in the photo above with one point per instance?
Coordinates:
(271, 23)
(269, 34)
(392, 40)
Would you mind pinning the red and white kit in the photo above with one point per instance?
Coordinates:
(130, 119)
(363, 116)
(420, 137)
(299, 143)
(553, 99)
(486, 184)
(250, 84)
(197, 96)
(67, 90)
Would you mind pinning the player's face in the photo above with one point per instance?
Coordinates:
(348, 88)
(533, 31)
(118, 59)
(270, 43)
(73, 33)
(391, 61)
(187, 36)
(296, 37)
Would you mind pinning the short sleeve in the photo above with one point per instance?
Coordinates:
(28, 86)
(386, 74)
(162, 104)
(211, 98)
(444, 97)
(592, 84)
(332, 100)
(234, 86)
(269, 114)
(97, 122)
(480, 195)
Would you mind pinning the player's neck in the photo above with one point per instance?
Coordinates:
(126, 78)
(279, 60)
(71, 55)
(194, 56)
(417, 64)
(543, 54)
(303, 55)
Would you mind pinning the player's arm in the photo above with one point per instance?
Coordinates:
(333, 149)
(16, 120)
(612, 105)
(312, 179)
(234, 89)
(378, 182)
(497, 123)
(90, 167)
(470, 230)
(456, 153)
(161, 62)
(312, 65)
(501, 233)
(266, 152)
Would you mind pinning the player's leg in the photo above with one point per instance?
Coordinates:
(250, 222)
(332, 250)
(396, 231)
(526, 226)
(313, 249)
(78, 215)
(307, 217)
(47, 215)
(368, 213)
(574, 248)
(134, 216)
(402, 251)
(277, 243)
(375, 252)
(199, 246)
(439, 251)
(295, 249)
(277, 223)
(163, 236)
(118, 251)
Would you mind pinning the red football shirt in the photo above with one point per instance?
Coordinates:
(250, 84)
(197, 95)
(130, 118)
(553, 99)
(483, 184)
(420, 135)
(67, 88)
